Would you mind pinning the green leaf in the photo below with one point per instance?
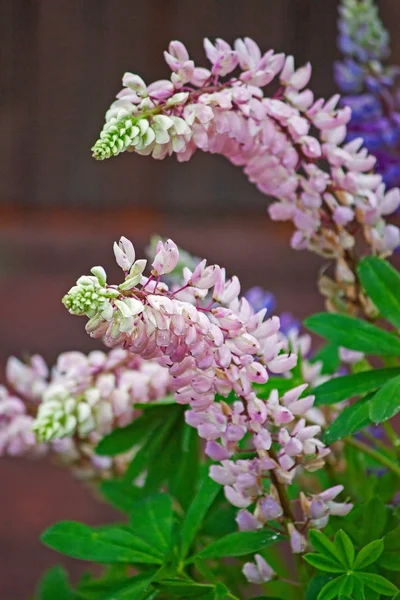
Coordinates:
(347, 584)
(183, 475)
(316, 585)
(369, 554)
(354, 334)
(345, 548)
(350, 386)
(197, 511)
(323, 563)
(221, 520)
(151, 521)
(155, 404)
(54, 584)
(390, 559)
(332, 589)
(120, 494)
(274, 383)
(382, 284)
(240, 543)
(375, 517)
(122, 439)
(323, 545)
(147, 454)
(111, 545)
(351, 419)
(184, 589)
(378, 584)
(138, 587)
(386, 402)
(329, 356)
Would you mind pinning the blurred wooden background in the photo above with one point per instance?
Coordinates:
(61, 65)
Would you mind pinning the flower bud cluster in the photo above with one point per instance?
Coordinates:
(289, 145)
(67, 411)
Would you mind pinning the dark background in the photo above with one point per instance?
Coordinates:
(61, 64)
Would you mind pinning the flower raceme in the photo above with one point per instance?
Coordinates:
(67, 411)
(289, 145)
(211, 341)
(213, 344)
(370, 85)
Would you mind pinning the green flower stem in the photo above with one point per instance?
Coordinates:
(283, 497)
(392, 436)
(375, 455)
(289, 516)
(379, 444)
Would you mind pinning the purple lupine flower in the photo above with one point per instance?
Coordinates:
(260, 298)
(369, 85)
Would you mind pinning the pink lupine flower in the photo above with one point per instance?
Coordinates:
(247, 522)
(258, 572)
(291, 146)
(298, 542)
(91, 394)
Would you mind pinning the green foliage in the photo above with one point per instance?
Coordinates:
(351, 386)
(197, 511)
(354, 334)
(54, 584)
(369, 554)
(123, 439)
(340, 556)
(111, 545)
(329, 356)
(382, 284)
(386, 403)
(145, 459)
(120, 494)
(390, 558)
(151, 521)
(239, 543)
(350, 420)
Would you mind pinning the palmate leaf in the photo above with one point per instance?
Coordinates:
(138, 587)
(323, 545)
(151, 521)
(183, 465)
(184, 589)
(111, 545)
(54, 584)
(369, 554)
(239, 544)
(345, 548)
(390, 558)
(123, 439)
(350, 386)
(352, 419)
(198, 509)
(120, 494)
(323, 563)
(333, 588)
(316, 584)
(382, 284)
(378, 584)
(386, 402)
(354, 334)
(145, 457)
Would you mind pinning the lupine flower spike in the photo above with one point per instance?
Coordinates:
(370, 85)
(283, 144)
